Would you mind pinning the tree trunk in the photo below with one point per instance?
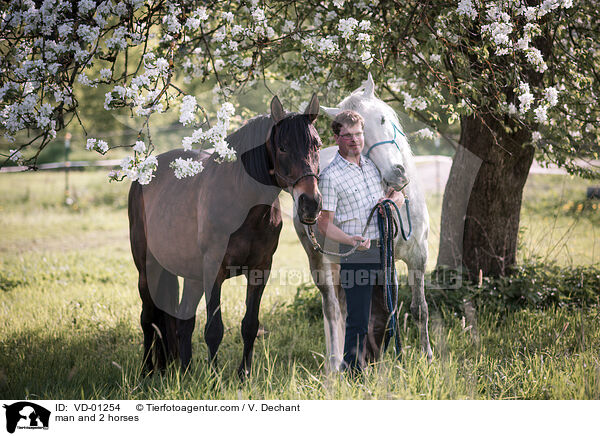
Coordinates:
(482, 200)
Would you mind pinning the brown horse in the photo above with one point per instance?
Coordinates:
(221, 223)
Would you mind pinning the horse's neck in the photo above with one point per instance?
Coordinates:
(247, 186)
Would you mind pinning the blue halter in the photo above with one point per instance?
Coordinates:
(392, 141)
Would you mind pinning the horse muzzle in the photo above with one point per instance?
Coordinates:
(308, 208)
(396, 178)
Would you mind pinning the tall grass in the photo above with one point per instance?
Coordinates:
(69, 314)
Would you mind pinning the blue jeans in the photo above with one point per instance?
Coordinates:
(358, 275)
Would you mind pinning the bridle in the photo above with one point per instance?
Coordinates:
(291, 182)
(390, 141)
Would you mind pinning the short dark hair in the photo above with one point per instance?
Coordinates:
(346, 118)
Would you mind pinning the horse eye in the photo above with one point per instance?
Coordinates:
(382, 121)
(282, 147)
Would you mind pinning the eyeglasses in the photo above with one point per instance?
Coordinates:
(348, 136)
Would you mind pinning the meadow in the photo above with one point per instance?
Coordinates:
(69, 312)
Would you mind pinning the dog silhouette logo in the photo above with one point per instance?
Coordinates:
(26, 415)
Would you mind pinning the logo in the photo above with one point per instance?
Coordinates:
(26, 415)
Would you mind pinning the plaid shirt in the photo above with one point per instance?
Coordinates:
(351, 191)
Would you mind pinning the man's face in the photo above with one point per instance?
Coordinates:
(350, 140)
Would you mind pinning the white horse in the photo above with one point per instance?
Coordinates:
(387, 146)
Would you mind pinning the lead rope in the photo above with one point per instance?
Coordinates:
(387, 225)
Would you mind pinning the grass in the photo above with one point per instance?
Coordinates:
(69, 313)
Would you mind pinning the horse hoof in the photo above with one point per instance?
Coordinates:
(243, 374)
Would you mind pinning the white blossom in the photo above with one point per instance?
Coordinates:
(367, 58)
(499, 32)
(88, 33)
(15, 155)
(364, 25)
(534, 56)
(118, 40)
(412, 103)
(196, 18)
(465, 7)
(219, 35)
(65, 30)
(526, 98)
(327, 45)
(219, 64)
(347, 26)
(189, 141)
(365, 37)
(94, 144)
(288, 26)
(258, 15)
(188, 110)
(84, 6)
(142, 172)
(105, 73)
(425, 133)
(186, 167)
(139, 147)
(90, 144)
(102, 146)
(236, 30)
(541, 114)
(551, 95)
(523, 43)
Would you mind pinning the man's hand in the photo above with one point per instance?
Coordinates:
(363, 244)
(396, 196)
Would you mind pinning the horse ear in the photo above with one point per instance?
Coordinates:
(312, 110)
(331, 111)
(277, 112)
(369, 87)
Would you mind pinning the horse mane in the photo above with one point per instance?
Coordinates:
(252, 134)
(249, 143)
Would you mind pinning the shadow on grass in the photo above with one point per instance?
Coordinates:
(38, 364)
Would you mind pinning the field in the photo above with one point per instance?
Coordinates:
(69, 312)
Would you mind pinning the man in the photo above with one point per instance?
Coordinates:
(351, 186)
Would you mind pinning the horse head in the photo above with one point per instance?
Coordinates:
(385, 141)
(293, 147)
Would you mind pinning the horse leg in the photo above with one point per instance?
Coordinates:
(186, 322)
(137, 237)
(158, 328)
(254, 291)
(159, 290)
(377, 324)
(326, 276)
(418, 305)
(147, 318)
(213, 331)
